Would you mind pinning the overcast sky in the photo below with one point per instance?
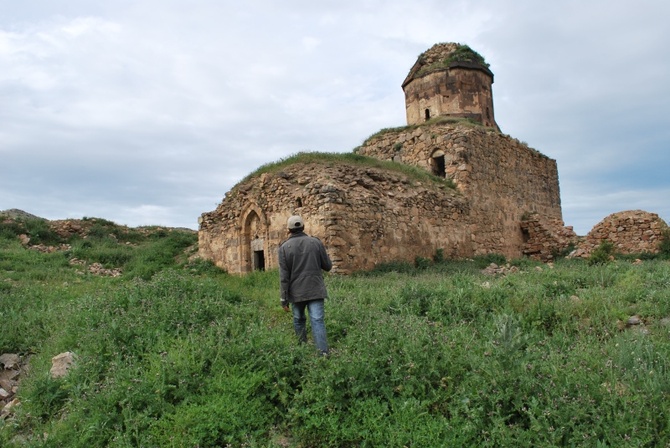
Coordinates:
(146, 112)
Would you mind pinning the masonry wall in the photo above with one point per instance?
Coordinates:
(500, 177)
(457, 92)
(364, 215)
(545, 237)
(630, 231)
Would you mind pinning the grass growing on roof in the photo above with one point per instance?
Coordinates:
(440, 119)
(462, 53)
(331, 159)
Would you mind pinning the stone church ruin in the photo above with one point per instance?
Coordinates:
(449, 180)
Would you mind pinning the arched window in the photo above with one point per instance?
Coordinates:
(427, 114)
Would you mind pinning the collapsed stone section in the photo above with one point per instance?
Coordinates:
(546, 237)
(365, 216)
(631, 232)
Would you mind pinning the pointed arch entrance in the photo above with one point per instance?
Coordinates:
(254, 241)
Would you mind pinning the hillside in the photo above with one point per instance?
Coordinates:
(17, 214)
(174, 352)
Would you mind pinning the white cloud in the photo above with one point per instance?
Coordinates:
(310, 43)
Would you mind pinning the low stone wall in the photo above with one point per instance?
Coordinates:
(631, 232)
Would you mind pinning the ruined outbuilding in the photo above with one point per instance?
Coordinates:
(449, 181)
(629, 231)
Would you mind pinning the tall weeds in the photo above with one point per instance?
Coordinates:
(179, 354)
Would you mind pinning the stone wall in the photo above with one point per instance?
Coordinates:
(631, 232)
(364, 215)
(457, 92)
(546, 237)
(501, 178)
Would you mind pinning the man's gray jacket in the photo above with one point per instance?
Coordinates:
(301, 260)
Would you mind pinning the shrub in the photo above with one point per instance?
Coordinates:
(602, 254)
(438, 257)
(40, 232)
(422, 263)
(11, 229)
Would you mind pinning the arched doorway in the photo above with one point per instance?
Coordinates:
(253, 243)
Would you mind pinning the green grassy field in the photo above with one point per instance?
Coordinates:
(175, 353)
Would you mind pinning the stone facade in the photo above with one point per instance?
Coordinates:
(501, 178)
(365, 215)
(443, 84)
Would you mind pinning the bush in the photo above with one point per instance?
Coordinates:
(37, 229)
(11, 229)
(602, 254)
(422, 263)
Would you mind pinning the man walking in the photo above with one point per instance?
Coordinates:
(301, 261)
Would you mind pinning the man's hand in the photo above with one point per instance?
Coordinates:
(286, 308)
(284, 304)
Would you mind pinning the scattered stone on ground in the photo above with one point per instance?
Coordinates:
(494, 269)
(13, 366)
(60, 364)
(10, 371)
